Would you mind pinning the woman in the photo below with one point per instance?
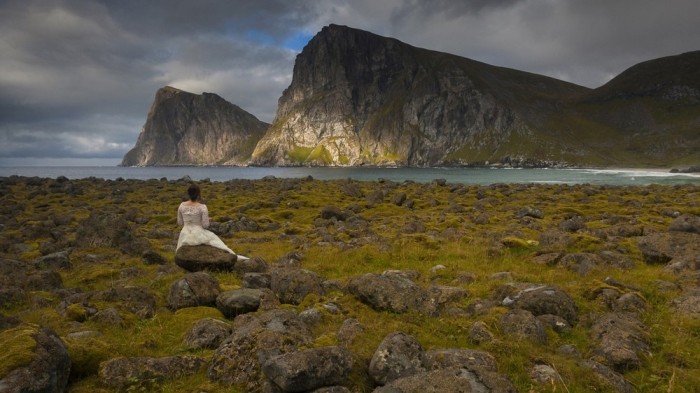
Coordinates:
(194, 217)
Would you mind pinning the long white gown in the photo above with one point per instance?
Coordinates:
(194, 219)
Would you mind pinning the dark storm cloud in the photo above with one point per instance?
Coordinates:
(586, 42)
(77, 77)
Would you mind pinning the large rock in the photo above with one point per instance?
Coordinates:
(204, 257)
(291, 284)
(391, 291)
(239, 301)
(309, 369)
(688, 303)
(397, 356)
(661, 248)
(470, 359)
(255, 340)
(207, 333)
(521, 324)
(449, 380)
(39, 361)
(195, 289)
(545, 299)
(120, 373)
(686, 223)
(611, 378)
(186, 128)
(621, 341)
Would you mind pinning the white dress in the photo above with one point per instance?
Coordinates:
(194, 219)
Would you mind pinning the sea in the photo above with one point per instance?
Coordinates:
(479, 176)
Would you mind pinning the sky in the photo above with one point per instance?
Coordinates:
(77, 77)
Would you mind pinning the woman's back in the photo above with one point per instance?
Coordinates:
(193, 214)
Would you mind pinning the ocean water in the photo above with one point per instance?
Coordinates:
(481, 176)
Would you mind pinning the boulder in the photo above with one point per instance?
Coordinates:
(545, 299)
(239, 301)
(621, 341)
(544, 374)
(207, 333)
(195, 289)
(204, 257)
(121, 373)
(470, 359)
(391, 292)
(291, 285)
(521, 323)
(39, 361)
(251, 265)
(661, 248)
(256, 339)
(450, 380)
(617, 382)
(581, 262)
(348, 331)
(686, 223)
(309, 369)
(257, 280)
(688, 303)
(480, 333)
(397, 356)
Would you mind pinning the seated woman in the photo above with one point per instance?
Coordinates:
(194, 217)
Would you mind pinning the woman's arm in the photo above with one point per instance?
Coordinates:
(180, 220)
(205, 216)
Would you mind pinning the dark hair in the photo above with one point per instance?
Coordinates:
(193, 192)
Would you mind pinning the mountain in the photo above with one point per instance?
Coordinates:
(190, 129)
(357, 98)
(648, 115)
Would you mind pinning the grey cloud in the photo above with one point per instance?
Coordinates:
(89, 137)
(77, 69)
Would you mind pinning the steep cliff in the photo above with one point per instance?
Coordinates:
(357, 98)
(189, 129)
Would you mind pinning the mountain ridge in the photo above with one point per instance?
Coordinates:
(357, 98)
(183, 128)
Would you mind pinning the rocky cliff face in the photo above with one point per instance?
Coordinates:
(360, 99)
(189, 129)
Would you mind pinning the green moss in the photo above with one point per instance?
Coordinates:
(86, 354)
(320, 155)
(18, 347)
(299, 154)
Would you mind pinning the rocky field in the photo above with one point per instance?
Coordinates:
(351, 287)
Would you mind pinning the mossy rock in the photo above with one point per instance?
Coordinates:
(86, 355)
(18, 347)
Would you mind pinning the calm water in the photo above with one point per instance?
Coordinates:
(481, 176)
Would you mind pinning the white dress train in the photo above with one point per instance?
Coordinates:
(194, 219)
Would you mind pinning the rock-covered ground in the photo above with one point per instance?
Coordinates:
(351, 286)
